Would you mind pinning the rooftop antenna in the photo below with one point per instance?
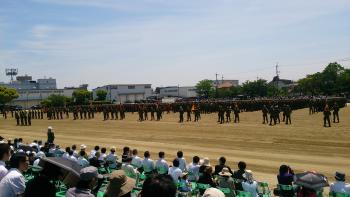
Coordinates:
(11, 72)
(222, 79)
(277, 71)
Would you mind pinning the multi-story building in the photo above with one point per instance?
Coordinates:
(122, 93)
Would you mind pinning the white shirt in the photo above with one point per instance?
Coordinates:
(72, 158)
(3, 170)
(111, 160)
(340, 187)
(175, 173)
(12, 184)
(252, 188)
(75, 153)
(183, 164)
(65, 155)
(83, 162)
(136, 161)
(148, 165)
(92, 154)
(161, 166)
(193, 172)
(102, 157)
(129, 170)
(36, 162)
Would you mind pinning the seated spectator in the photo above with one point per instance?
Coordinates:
(184, 183)
(339, 185)
(206, 178)
(126, 153)
(71, 156)
(31, 157)
(204, 164)
(103, 154)
(112, 158)
(175, 172)
(88, 180)
(13, 184)
(239, 175)
(193, 169)
(75, 152)
(285, 176)
(5, 154)
(147, 163)
(129, 170)
(221, 165)
(93, 152)
(225, 180)
(213, 192)
(40, 186)
(161, 165)
(136, 160)
(250, 185)
(94, 160)
(82, 161)
(183, 164)
(66, 154)
(159, 185)
(119, 184)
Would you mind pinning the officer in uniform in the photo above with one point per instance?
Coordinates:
(287, 112)
(228, 114)
(335, 112)
(265, 111)
(189, 110)
(326, 116)
(181, 111)
(236, 112)
(17, 117)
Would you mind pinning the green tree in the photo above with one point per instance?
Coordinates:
(101, 95)
(205, 88)
(81, 97)
(7, 95)
(255, 88)
(55, 100)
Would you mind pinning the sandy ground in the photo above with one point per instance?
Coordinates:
(304, 145)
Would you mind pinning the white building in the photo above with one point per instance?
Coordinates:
(175, 91)
(122, 93)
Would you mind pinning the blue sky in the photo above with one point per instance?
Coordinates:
(173, 42)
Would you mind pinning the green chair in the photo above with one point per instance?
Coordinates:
(202, 186)
(263, 188)
(162, 170)
(226, 191)
(61, 194)
(286, 190)
(337, 194)
(100, 194)
(243, 194)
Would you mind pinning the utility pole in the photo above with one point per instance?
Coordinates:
(217, 83)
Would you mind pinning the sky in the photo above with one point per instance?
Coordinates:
(171, 42)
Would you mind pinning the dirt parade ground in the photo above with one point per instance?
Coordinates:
(304, 145)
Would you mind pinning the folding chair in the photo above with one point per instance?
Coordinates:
(337, 194)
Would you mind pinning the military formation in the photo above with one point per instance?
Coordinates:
(227, 111)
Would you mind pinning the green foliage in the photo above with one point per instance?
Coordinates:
(205, 88)
(81, 97)
(7, 95)
(101, 95)
(333, 80)
(55, 100)
(255, 88)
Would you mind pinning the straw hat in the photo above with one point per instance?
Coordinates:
(119, 184)
(205, 161)
(213, 192)
(225, 172)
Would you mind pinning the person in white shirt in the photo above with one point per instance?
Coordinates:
(5, 153)
(13, 184)
(129, 170)
(103, 154)
(82, 161)
(147, 163)
(71, 156)
(112, 158)
(193, 169)
(93, 152)
(339, 186)
(75, 152)
(180, 157)
(136, 160)
(66, 154)
(175, 172)
(250, 185)
(161, 165)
